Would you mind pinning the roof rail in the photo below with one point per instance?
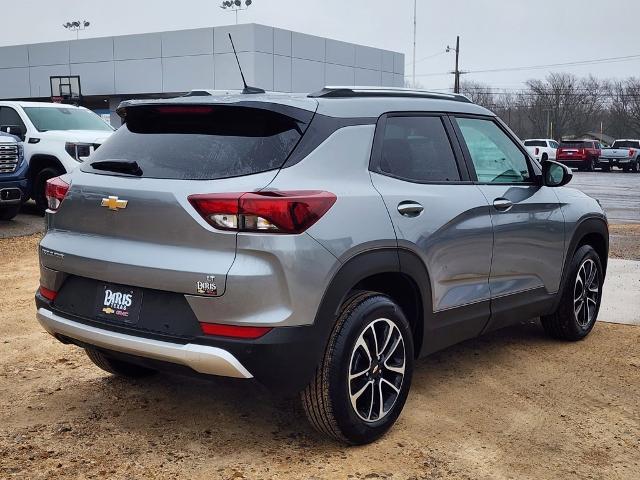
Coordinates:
(350, 92)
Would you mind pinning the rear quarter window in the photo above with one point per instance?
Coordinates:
(205, 142)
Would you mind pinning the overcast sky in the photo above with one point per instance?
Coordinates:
(496, 34)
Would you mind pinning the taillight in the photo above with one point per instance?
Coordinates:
(632, 152)
(55, 191)
(48, 294)
(234, 331)
(537, 151)
(268, 212)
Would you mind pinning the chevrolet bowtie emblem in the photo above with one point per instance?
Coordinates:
(113, 203)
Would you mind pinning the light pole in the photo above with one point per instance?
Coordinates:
(235, 5)
(76, 26)
(415, 11)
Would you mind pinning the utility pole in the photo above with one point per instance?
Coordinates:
(456, 72)
(415, 9)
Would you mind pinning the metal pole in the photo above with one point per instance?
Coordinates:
(456, 88)
(236, 16)
(415, 8)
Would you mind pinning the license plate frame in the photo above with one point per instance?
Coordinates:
(118, 303)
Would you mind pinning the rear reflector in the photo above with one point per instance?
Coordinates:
(48, 294)
(55, 191)
(268, 212)
(234, 331)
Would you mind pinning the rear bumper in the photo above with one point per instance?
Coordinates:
(616, 161)
(284, 360)
(200, 358)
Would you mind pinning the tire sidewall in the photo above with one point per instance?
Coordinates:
(356, 430)
(583, 253)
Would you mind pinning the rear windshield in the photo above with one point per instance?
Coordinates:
(626, 144)
(535, 143)
(576, 144)
(204, 142)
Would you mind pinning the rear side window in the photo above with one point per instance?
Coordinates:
(205, 142)
(418, 149)
(535, 143)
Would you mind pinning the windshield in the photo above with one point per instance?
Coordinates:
(626, 144)
(65, 118)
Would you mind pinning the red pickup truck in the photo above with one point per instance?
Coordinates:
(580, 154)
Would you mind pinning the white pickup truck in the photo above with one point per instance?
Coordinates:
(542, 148)
(57, 138)
(623, 153)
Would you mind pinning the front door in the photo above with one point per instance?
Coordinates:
(440, 216)
(528, 223)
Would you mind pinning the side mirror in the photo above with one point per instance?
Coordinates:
(16, 130)
(555, 174)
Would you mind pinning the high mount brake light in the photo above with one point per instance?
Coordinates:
(269, 212)
(55, 191)
(185, 110)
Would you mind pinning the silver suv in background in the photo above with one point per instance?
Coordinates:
(319, 244)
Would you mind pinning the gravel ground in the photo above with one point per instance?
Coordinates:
(512, 404)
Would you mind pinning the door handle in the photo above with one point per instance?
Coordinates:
(502, 204)
(410, 209)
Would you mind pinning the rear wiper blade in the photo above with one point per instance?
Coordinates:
(121, 166)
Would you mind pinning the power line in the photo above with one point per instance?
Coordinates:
(427, 57)
(596, 61)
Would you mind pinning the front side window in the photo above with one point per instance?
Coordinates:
(496, 158)
(418, 149)
(65, 118)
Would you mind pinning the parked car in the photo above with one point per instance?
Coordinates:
(580, 154)
(542, 149)
(56, 138)
(624, 154)
(14, 185)
(318, 244)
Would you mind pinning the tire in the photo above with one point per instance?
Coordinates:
(8, 213)
(544, 157)
(625, 169)
(117, 367)
(327, 400)
(634, 167)
(606, 168)
(590, 165)
(39, 184)
(568, 322)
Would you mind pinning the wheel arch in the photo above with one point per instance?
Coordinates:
(40, 161)
(593, 231)
(380, 270)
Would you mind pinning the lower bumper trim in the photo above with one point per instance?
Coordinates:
(201, 358)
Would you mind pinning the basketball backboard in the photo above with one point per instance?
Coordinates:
(65, 89)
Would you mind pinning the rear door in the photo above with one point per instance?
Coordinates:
(440, 216)
(138, 228)
(528, 224)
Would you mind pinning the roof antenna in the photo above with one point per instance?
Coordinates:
(247, 89)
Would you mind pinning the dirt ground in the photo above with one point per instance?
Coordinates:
(510, 405)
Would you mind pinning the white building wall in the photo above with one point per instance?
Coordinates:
(178, 61)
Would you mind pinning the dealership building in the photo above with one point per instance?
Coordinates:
(171, 63)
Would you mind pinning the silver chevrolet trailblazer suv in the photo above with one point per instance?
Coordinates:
(318, 244)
